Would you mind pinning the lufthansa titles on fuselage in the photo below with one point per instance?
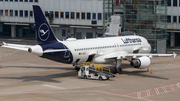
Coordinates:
(131, 40)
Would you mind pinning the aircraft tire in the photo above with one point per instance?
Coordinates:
(77, 68)
(85, 77)
(113, 70)
(100, 78)
(119, 70)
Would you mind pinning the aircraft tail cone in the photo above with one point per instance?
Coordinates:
(151, 71)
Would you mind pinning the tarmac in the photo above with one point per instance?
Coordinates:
(27, 77)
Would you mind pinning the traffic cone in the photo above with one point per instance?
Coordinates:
(148, 69)
(0, 66)
(151, 71)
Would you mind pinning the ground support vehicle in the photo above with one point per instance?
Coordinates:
(92, 72)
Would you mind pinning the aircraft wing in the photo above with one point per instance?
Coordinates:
(16, 46)
(124, 56)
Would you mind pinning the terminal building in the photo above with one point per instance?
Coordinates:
(69, 18)
(156, 20)
(173, 22)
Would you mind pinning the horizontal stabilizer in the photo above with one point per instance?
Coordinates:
(16, 46)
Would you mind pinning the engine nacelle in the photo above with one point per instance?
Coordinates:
(37, 50)
(141, 63)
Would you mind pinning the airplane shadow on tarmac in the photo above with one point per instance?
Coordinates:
(137, 72)
(47, 78)
(51, 78)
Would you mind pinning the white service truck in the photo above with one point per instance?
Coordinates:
(88, 72)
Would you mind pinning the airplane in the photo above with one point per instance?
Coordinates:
(133, 48)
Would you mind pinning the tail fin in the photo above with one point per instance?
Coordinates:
(44, 32)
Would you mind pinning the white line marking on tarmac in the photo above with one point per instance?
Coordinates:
(51, 86)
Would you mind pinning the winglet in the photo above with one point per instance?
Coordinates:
(174, 54)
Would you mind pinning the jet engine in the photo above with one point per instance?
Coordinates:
(141, 63)
(37, 50)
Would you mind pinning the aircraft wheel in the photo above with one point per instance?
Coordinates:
(100, 78)
(119, 70)
(85, 77)
(113, 70)
(77, 68)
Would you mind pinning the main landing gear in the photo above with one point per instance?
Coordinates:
(117, 69)
(76, 68)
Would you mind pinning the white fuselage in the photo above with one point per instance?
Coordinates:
(101, 47)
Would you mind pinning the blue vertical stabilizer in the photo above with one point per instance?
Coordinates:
(44, 32)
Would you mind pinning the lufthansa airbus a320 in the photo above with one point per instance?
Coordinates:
(133, 48)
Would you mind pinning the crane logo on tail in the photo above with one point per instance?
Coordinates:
(43, 32)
